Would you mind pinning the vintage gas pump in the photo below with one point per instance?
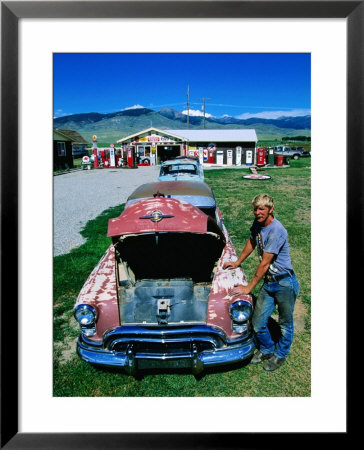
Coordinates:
(219, 157)
(131, 156)
(103, 156)
(200, 154)
(249, 157)
(94, 147)
(229, 157)
(112, 156)
(260, 156)
(211, 148)
(211, 159)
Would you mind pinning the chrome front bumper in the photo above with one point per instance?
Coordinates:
(135, 348)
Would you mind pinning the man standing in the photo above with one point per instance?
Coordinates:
(280, 283)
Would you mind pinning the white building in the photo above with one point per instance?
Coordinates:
(215, 146)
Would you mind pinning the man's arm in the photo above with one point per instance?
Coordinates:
(247, 250)
(259, 274)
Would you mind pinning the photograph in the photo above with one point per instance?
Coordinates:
(175, 260)
(182, 224)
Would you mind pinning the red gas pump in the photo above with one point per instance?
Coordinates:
(130, 156)
(260, 156)
(102, 156)
(211, 159)
(96, 162)
(94, 146)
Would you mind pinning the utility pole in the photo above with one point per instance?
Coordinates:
(204, 111)
(188, 107)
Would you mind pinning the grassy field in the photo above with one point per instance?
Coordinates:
(290, 188)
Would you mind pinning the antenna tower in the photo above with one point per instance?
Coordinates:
(204, 99)
(188, 107)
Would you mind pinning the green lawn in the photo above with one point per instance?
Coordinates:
(290, 188)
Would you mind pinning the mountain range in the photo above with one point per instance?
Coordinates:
(113, 126)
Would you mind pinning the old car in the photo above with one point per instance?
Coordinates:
(181, 169)
(159, 297)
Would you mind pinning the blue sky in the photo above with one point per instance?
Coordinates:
(237, 84)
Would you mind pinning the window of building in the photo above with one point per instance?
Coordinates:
(61, 147)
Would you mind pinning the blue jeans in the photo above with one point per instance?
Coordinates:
(282, 293)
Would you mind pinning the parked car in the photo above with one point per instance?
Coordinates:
(185, 168)
(287, 151)
(159, 296)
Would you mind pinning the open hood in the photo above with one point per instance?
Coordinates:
(167, 238)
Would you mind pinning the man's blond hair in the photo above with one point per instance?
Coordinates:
(263, 200)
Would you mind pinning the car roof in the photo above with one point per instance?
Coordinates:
(192, 158)
(180, 161)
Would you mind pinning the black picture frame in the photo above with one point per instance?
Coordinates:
(11, 12)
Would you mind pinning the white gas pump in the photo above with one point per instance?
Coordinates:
(238, 156)
(112, 156)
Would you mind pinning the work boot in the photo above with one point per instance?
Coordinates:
(259, 357)
(273, 363)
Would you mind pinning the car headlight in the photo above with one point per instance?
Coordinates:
(86, 316)
(240, 313)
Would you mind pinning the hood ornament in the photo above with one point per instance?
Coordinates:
(158, 194)
(156, 216)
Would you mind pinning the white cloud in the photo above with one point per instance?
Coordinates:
(275, 114)
(133, 107)
(60, 113)
(196, 112)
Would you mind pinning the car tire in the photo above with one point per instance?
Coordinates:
(295, 157)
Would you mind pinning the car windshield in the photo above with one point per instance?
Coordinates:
(172, 169)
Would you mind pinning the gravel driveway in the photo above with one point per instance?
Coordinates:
(82, 195)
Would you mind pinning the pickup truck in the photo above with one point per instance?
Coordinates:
(287, 151)
(305, 153)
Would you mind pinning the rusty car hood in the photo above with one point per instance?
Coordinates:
(160, 215)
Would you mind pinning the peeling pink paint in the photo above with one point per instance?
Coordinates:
(186, 218)
(99, 291)
(224, 280)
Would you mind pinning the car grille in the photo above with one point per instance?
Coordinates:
(154, 341)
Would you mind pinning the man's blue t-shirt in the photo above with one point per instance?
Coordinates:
(273, 239)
